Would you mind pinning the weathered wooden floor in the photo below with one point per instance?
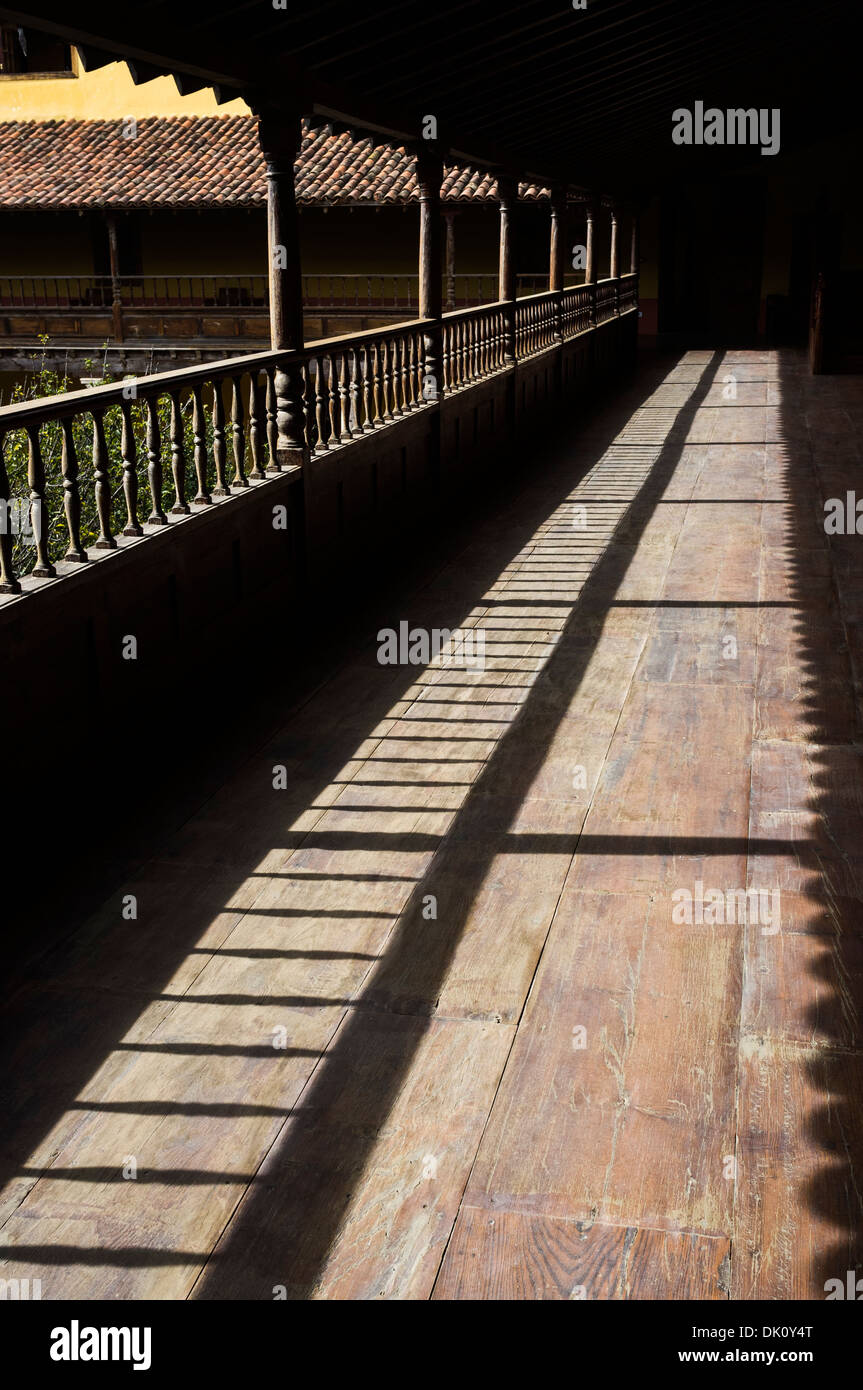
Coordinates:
(425, 1023)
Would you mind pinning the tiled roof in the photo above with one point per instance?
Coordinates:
(202, 161)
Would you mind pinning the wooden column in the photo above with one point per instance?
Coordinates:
(816, 326)
(612, 260)
(589, 276)
(555, 254)
(429, 170)
(114, 260)
(633, 252)
(507, 193)
(280, 135)
(449, 217)
(612, 255)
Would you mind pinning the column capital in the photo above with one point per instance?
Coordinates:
(280, 135)
(428, 162)
(507, 189)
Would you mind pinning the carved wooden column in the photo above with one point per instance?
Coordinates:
(612, 260)
(429, 169)
(555, 255)
(589, 275)
(280, 136)
(633, 252)
(449, 217)
(114, 261)
(507, 193)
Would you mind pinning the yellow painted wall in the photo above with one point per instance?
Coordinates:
(106, 94)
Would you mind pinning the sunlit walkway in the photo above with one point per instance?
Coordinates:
(477, 1004)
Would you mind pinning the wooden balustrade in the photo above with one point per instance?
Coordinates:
(628, 292)
(104, 462)
(606, 300)
(355, 290)
(473, 345)
(575, 306)
(535, 323)
(80, 470)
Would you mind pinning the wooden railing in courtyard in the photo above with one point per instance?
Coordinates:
(80, 470)
(360, 291)
(474, 344)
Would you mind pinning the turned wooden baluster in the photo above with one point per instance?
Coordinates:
(129, 456)
(38, 510)
(8, 582)
(344, 413)
(237, 433)
(412, 371)
(71, 493)
(332, 385)
(308, 405)
(395, 377)
(321, 418)
(102, 484)
(154, 463)
(272, 424)
(219, 450)
(199, 431)
(255, 427)
(368, 427)
(178, 457)
(405, 376)
(376, 384)
(355, 426)
(385, 379)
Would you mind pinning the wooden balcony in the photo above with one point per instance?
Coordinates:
(340, 392)
(177, 310)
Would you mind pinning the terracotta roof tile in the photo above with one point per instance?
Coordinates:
(203, 161)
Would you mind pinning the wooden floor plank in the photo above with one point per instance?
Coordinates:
(511, 1256)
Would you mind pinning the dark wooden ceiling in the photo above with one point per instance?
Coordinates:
(535, 86)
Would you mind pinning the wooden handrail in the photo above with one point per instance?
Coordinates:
(282, 407)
